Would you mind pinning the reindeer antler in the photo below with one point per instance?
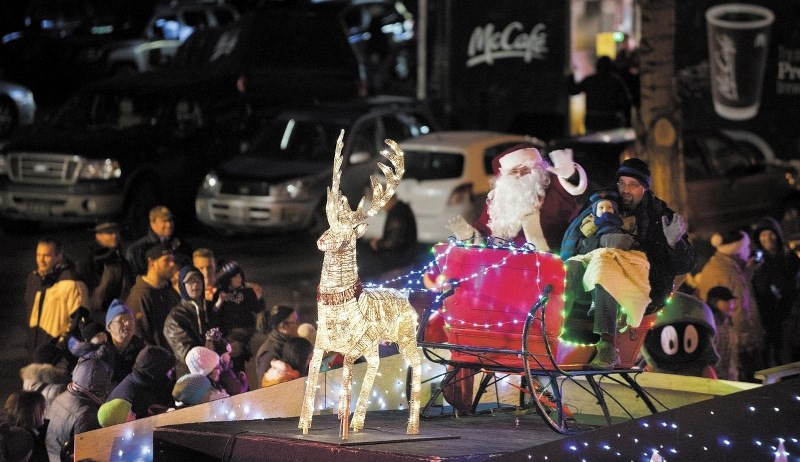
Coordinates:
(334, 193)
(381, 195)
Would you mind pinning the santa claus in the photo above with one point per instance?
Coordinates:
(531, 201)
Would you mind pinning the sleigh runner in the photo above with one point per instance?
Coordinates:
(504, 315)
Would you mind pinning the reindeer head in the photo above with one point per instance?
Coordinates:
(347, 225)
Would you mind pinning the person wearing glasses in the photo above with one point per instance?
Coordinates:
(660, 232)
(283, 321)
(121, 326)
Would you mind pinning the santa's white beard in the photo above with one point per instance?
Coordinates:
(513, 198)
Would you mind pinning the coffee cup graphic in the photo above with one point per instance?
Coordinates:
(738, 44)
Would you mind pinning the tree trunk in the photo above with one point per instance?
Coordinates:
(658, 124)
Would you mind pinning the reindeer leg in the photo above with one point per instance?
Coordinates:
(307, 411)
(344, 396)
(408, 348)
(373, 360)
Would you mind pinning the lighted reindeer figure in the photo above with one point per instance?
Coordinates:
(354, 321)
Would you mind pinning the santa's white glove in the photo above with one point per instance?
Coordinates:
(674, 229)
(460, 228)
(563, 164)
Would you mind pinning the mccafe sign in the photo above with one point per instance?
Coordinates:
(490, 43)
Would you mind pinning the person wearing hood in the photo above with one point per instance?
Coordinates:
(682, 339)
(52, 294)
(236, 304)
(75, 411)
(774, 287)
(46, 374)
(188, 321)
(149, 385)
(729, 267)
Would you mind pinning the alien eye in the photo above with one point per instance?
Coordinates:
(691, 339)
(669, 340)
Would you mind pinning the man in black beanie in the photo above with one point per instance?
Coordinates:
(662, 235)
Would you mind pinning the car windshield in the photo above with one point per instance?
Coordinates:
(107, 111)
(426, 165)
(298, 140)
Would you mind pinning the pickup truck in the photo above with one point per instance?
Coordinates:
(118, 147)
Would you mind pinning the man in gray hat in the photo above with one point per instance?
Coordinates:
(161, 230)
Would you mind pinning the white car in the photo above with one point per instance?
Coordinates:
(447, 174)
(17, 107)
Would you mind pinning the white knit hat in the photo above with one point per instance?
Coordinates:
(308, 332)
(202, 360)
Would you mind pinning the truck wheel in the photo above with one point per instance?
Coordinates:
(136, 214)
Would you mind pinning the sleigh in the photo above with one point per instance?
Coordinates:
(502, 314)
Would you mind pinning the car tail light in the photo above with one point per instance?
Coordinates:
(461, 194)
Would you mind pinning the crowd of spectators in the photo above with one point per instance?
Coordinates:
(130, 334)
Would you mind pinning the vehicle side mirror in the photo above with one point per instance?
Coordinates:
(359, 157)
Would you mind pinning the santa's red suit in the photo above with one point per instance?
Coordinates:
(545, 228)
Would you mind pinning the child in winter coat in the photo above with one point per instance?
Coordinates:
(236, 305)
(46, 374)
(232, 381)
(192, 389)
(202, 360)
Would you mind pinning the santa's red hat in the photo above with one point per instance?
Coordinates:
(563, 166)
(513, 156)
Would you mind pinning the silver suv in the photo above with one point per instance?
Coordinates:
(279, 183)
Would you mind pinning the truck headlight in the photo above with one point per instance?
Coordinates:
(210, 185)
(295, 189)
(106, 169)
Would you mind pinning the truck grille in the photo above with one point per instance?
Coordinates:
(245, 188)
(49, 169)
